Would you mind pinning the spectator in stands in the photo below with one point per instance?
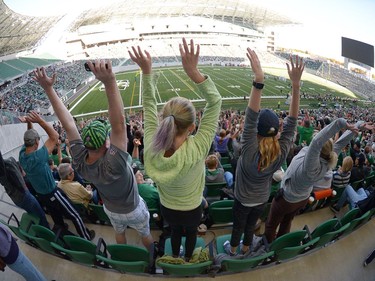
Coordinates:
(34, 161)
(221, 143)
(307, 167)
(352, 196)
(12, 256)
(343, 153)
(360, 170)
(263, 152)
(173, 158)
(53, 167)
(341, 177)
(215, 172)
(370, 160)
(56, 154)
(102, 160)
(355, 150)
(76, 192)
(305, 131)
(12, 180)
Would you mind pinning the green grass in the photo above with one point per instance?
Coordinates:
(233, 83)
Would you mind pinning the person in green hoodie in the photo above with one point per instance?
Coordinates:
(174, 157)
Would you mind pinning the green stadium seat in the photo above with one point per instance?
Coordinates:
(125, 258)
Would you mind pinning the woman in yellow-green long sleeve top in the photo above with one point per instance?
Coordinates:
(173, 157)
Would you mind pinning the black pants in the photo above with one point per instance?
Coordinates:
(58, 206)
(244, 222)
(183, 223)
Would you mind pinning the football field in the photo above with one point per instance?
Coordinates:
(233, 83)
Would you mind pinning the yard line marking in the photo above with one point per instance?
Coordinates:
(186, 84)
(173, 89)
(85, 95)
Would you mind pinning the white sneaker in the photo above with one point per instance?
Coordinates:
(227, 248)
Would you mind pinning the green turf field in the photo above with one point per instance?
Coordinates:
(233, 83)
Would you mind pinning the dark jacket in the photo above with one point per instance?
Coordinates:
(11, 178)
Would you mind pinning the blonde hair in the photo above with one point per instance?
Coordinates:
(269, 149)
(328, 154)
(347, 164)
(177, 115)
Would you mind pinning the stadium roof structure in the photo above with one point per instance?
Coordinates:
(245, 13)
(24, 33)
(19, 32)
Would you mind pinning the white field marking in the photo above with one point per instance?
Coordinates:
(169, 83)
(70, 110)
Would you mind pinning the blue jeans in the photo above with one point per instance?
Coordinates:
(32, 206)
(351, 196)
(95, 197)
(244, 221)
(25, 267)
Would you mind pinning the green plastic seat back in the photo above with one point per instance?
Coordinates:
(224, 160)
(128, 253)
(221, 211)
(358, 221)
(185, 269)
(325, 227)
(370, 180)
(214, 189)
(288, 240)
(168, 247)
(27, 220)
(245, 264)
(99, 211)
(220, 240)
(124, 266)
(76, 243)
(349, 216)
(17, 231)
(76, 256)
(40, 243)
(43, 232)
(330, 236)
(291, 252)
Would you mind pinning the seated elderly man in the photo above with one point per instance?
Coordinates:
(75, 191)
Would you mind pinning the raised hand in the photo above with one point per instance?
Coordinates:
(22, 119)
(352, 128)
(102, 70)
(33, 117)
(255, 65)
(295, 69)
(43, 79)
(142, 58)
(189, 57)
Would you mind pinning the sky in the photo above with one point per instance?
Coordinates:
(322, 22)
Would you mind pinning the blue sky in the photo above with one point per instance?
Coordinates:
(324, 22)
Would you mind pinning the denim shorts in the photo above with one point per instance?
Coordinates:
(137, 219)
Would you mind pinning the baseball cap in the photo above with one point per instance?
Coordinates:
(30, 136)
(268, 123)
(94, 134)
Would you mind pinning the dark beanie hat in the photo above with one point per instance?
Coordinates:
(268, 123)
